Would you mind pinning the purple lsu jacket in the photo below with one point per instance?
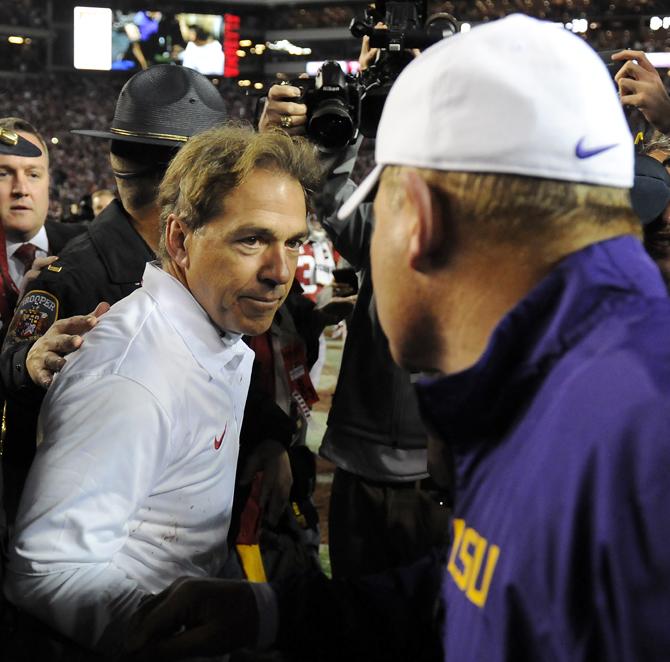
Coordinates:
(561, 436)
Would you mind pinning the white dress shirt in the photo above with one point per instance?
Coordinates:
(132, 485)
(16, 267)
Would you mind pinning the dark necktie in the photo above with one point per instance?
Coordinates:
(10, 293)
(25, 254)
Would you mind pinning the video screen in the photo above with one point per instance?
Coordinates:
(107, 39)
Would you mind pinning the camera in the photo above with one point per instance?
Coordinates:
(333, 106)
(408, 27)
(340, 105)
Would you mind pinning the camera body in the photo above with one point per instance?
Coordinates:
(408, 27)
(405, 22)
(333, 101)
(340, 105)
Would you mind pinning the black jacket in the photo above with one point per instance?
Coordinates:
(58, 235)
(105, 263)
(374, 426)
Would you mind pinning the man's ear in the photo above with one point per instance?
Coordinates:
(427, 233)
(176, 235)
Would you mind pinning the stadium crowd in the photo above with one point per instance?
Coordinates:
(80, 168)
(297, 17)
(26, 13)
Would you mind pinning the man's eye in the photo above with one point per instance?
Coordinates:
(295, 244)
(250, 241)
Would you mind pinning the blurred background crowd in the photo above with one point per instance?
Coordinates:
(39, 82)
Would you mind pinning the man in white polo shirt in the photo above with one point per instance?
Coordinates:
(132, 484)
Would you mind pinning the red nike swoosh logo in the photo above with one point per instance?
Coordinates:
(219, 440)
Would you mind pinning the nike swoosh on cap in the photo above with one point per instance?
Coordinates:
(582, 152)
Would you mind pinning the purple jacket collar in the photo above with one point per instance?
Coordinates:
(485, 399)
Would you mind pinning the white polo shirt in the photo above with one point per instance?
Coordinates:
(132, 485)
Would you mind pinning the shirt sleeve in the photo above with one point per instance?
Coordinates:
(34, 314)
(104, 441)
(51, 296)
(15, 378)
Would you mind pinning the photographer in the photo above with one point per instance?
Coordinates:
(383, 510)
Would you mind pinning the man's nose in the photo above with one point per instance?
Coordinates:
(19, 185)
(276, 268)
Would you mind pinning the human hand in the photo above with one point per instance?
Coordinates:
(38, 264)
(270, 458)
(281, 112)
(194, 618)
(368, 56)
(337, 309)
(45, 357)
(339, 289)
(641, 86)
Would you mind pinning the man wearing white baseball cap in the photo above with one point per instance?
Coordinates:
(506, 260)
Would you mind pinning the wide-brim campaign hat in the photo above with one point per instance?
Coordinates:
(650, 194)
(514, 96)
(164, 105)
(15, 145)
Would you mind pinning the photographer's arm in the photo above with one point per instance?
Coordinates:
(640, 85)
(351, 236)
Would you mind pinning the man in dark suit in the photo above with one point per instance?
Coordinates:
(24, 203)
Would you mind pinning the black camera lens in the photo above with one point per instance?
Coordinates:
(331, 125)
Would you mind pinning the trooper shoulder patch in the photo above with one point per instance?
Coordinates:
(36, 312)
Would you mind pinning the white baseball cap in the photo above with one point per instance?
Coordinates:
(517, 95)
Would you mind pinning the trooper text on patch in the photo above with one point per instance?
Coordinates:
(37, 311)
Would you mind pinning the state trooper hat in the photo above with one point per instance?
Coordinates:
(13, 144)
(164, 105)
